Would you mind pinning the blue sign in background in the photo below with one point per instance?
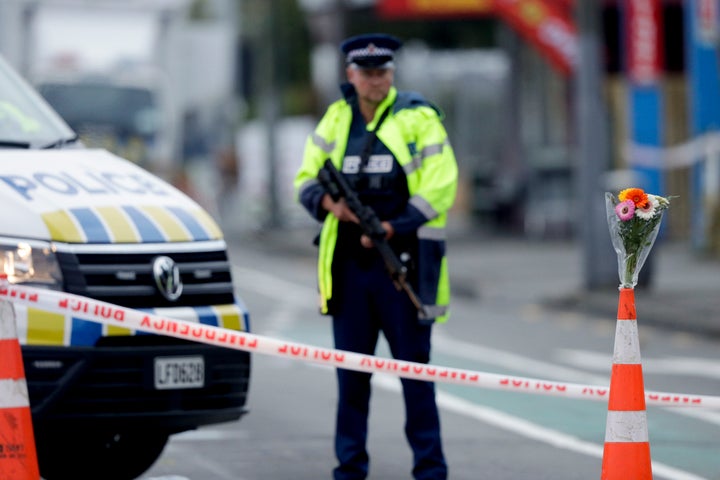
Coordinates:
(704, 109)
(646, 129)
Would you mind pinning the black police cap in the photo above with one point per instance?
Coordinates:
(372, 50)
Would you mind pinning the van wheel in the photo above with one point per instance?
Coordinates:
(92, 455)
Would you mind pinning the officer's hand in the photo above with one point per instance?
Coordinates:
(367, 242)
(339, 209)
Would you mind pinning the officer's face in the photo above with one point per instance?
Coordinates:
(372, 84)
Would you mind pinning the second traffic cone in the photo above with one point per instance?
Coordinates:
(626, 454)
(18, 456)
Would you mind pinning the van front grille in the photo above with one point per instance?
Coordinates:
(126, 278)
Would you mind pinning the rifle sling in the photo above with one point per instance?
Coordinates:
(372, 136)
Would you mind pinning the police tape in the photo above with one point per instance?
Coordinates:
(84, 308)
(699, 149)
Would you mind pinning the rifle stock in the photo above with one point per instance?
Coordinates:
(337, 186)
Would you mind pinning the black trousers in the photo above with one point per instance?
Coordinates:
(370, 303)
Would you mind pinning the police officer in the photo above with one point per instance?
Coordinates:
(393, 149)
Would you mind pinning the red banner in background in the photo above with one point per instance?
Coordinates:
(644, 40)
(407, 9)
(550, 29)
(547, 24)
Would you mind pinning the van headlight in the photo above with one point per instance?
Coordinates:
(30, 263)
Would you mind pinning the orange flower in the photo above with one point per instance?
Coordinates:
(637, 195)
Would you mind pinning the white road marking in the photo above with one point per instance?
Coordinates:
(513, 361)
(525, 365)
(463, 407)
(279, 289)
(699, 367)
(546, 435)
(270, 285)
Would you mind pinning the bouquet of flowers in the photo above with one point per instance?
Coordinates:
(634, 220)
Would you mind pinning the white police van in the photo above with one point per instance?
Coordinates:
(104, 400)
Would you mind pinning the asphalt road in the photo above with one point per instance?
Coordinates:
(499, 325)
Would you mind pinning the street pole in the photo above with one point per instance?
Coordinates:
(599, 258)
(340, 13)
(270, 113)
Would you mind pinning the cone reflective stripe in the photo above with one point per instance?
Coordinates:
(18, 457)
(627, 447)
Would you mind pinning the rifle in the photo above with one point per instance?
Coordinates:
(337, 186)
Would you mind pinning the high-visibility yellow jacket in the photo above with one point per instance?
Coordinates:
(414, 133)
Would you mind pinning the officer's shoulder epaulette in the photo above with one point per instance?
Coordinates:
(413, 100)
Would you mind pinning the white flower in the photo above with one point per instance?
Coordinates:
(648, 211)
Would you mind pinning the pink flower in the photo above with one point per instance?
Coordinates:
(625, 210)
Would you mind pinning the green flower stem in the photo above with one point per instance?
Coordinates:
(630, 266)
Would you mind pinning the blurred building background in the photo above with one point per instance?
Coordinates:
(219, 95)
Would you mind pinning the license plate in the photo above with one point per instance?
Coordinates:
(179, 372)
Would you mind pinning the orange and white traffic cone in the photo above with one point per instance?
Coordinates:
(627, 447)
(18, 456)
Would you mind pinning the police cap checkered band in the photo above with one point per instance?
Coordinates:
(370, 50)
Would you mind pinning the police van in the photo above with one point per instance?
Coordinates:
(104, 399)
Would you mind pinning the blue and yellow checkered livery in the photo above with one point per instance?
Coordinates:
(131, 224)
(42, 327)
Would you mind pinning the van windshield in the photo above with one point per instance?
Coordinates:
(26, 120)
(121, 109)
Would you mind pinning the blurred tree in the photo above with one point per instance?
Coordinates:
(291, 42)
